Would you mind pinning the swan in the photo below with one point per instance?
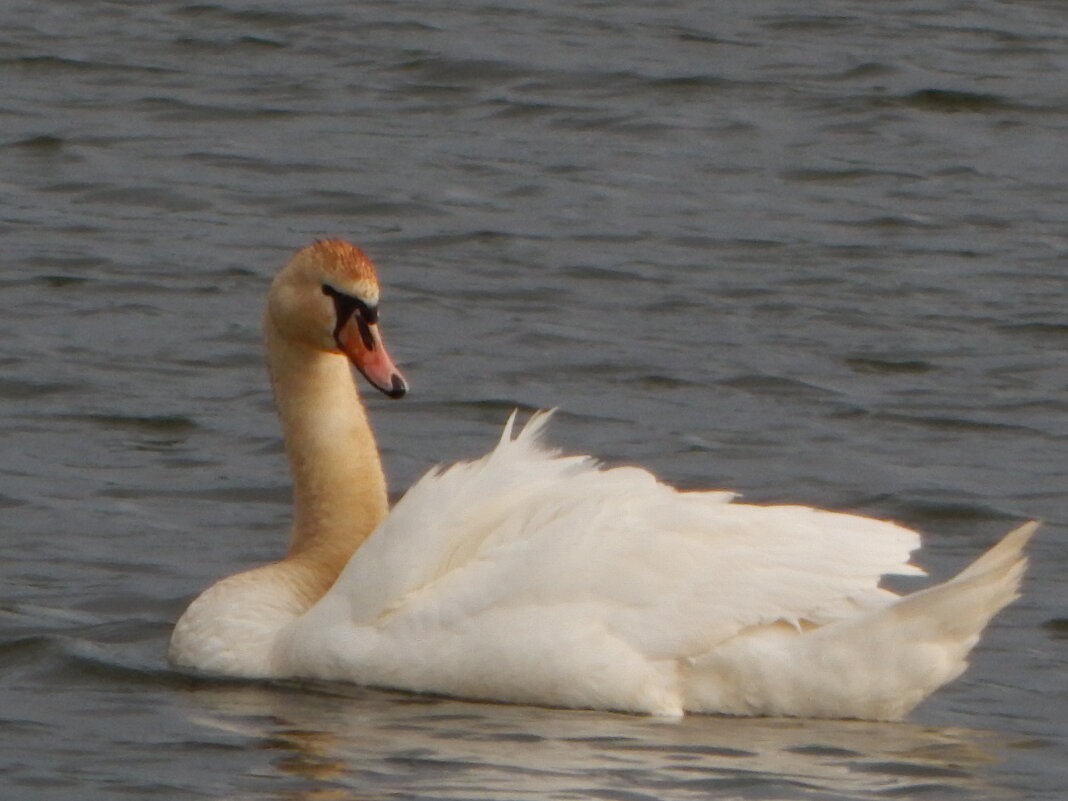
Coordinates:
(529, 576)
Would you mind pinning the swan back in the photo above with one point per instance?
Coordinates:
(543, 559)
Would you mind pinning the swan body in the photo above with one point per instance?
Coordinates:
(528, 576)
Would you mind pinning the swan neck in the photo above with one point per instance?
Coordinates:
(339, 489)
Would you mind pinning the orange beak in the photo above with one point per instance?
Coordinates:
(361, 342)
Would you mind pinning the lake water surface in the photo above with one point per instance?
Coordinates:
(814, 252)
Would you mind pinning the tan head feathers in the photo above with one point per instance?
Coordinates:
(346, 266)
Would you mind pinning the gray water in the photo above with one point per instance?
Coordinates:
(812, 252)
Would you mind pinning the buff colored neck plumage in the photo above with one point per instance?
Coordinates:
(339, 488)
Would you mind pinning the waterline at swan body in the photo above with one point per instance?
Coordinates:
(532, 577)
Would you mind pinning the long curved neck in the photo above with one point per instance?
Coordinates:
(339, 489)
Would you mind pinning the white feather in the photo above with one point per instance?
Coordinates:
(532, 577)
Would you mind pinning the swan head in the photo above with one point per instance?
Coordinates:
(327, 297)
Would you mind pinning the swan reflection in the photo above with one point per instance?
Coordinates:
(345, 742)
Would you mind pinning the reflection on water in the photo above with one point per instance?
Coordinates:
(332, 742)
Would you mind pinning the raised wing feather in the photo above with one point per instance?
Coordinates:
(672, 573)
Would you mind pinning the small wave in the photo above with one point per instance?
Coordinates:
(774, 386)
(66, 64)
(1041, 330)
(164, 423)
(954, 423)
(862, 364)
(242, 495)
(15, 389)
(141, 197)
(44, 143)
(954, 101)
(256, 16)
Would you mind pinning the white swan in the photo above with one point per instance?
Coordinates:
(531, 577)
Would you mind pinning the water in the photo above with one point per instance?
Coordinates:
(815, 255)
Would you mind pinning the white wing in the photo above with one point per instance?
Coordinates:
(670, 573)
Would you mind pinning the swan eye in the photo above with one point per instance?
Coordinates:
(347, 306)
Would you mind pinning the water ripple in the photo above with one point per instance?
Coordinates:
(811, 255)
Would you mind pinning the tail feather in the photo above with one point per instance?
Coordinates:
(1008, 549)
(964, 605)
(878, 665)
